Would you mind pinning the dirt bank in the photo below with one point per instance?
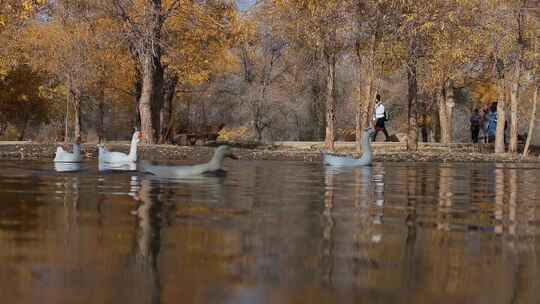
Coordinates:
(291, 151)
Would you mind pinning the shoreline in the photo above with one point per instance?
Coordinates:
(294, 151)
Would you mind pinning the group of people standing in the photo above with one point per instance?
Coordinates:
(485, 123)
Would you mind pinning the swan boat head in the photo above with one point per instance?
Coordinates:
(137, 137)
(223, 152)
(370, 131)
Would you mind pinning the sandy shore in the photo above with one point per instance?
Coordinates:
(298, 151)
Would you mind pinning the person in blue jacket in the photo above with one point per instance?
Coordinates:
(491, 118)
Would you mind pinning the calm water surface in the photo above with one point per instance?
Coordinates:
(271, 232)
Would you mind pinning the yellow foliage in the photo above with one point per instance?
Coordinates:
(15, 10)
(484, 93)
(200, 37)
(234, 134)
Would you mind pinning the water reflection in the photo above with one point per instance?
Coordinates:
(272, 232)
(148, 215)
(328, 224)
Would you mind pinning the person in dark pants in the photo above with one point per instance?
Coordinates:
(476, 123)
(380, 118)
(491, 118)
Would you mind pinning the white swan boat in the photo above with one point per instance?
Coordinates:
(346, 161)
(62, 156)
(119, 158)
(214, 166)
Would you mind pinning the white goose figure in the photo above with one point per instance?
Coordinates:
(347, 161)
(215, 165)
(63, 156)
(106, 156)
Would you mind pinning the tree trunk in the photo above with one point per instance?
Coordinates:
(501, 120)
(412, 96)
(77, 110)
(317, 113)
(531, 123)
(446, 103)
(369, 106)
(137, 85)
(169, 93)
(514, 95)
(330, 102)
(75, 96)
(66, 120)
(151, 99)
(363, 111)
(145, 103)
(3, 127)
(100, 122)
(450, 103)
(23, 128)
(443, 119)
(436, 127)
(101, 113)
(158, 100)
(366, 101)
(359, 108)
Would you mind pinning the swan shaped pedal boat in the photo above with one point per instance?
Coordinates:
(214, 166)
(118, 166)
(346, 161)
(62, 156)
(64, 167)
(119, 158)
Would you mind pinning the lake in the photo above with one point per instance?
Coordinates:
(271, 232)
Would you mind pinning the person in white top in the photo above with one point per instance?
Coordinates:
(379, 117)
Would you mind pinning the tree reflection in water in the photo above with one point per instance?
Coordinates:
(71, 198)
(328, 223)
(149, 225)
(273, 232)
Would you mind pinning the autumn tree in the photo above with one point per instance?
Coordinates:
(412, 16)
(23, 101)
(453, 46)
(13, 13)
(531, 64)
(261, 50)
(440, 41)
(524, 26)
(318, 26)
(153, 29)
(142, 22)
(200, 40)
(69, 43)
(373, 40)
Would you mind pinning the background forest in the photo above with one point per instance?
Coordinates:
(303, 70)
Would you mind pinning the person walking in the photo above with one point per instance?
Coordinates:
(492, 122)
(380, 118)
(476, 123)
